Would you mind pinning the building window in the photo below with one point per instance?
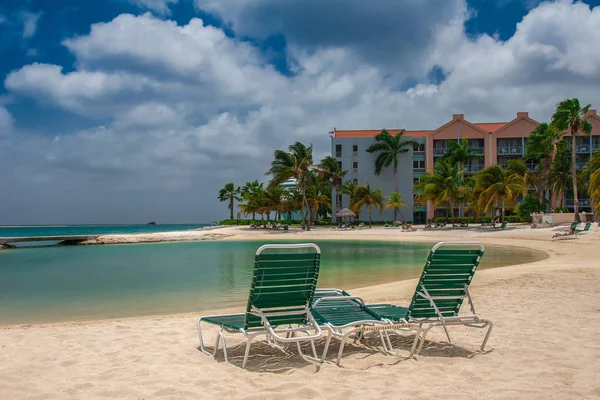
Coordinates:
(415, 181)
(354, 149)
(338, 150)
(355, 166)
(419, 148)
(355, 181)
(418, 164)
(340, 165)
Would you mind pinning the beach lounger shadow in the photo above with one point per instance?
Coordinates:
(278, 309)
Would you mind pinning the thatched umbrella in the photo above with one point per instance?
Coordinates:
(345, 212)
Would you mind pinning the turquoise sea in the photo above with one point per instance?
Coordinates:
(61, 283)
(60, 230)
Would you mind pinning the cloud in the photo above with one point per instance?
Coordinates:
(30, 21)
(6, 122)
(393, 34)
(160, 7)
(173, 112)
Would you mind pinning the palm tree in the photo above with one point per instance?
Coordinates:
(593, 171)
(443, 186)
(252, 195)
(316, 194)
(394, 201)
(330, 170)
(560, 179)
(542, 146)
(296, 164)
(229, 193)
(273, 200)
(389, 148)
(461, 153)
(365, 196)
(569, 117)
(499, 187)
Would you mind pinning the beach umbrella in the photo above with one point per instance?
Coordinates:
(345, 212)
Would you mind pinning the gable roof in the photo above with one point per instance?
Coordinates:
(490, 126)
(453, 121)
(519, 117)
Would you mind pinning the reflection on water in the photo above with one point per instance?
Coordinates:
(87, 282)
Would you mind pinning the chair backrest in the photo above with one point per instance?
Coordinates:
(283, 283)
(573, 225)
(446, 277)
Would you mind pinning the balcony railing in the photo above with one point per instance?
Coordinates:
(582, 202)
(355, 153)
(478, 150)
(508, 150)
(595, 146)
(583, 149)
(469, 169)
(580, 166)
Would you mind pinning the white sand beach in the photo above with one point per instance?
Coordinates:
(544, 344)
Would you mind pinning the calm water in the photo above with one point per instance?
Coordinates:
(58, 283)
(21, 231)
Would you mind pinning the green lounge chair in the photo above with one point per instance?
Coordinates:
(588, 226)
(344, 316)
(282, 289)
(440, 292)
(501, 227)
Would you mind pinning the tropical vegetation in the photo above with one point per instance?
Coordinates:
(548, 174)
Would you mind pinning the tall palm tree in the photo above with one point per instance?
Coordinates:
(365, 196)
(388, 148)
(569, 117)
(461, 153)
(294, 164)
(443, 186)
(252, 197)
(329, 170)
(542, 146)
(395, 201)
(349, 188)
(273, 199)
(499, 187)
(560, 179)
(316, 194)
(229, 193)
(593, 171)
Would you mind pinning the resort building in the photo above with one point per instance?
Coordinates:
(496, 142)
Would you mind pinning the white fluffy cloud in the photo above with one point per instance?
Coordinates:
(6, 122)
(185, 109)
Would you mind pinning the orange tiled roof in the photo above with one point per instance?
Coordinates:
(490, 126)
(375, 132)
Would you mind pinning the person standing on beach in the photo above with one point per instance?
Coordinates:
(498, 216)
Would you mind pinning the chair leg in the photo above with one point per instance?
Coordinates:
(342, 344)
(247, 352)
(202, 348)
(487, 335)
(326, 348)
(425, 331)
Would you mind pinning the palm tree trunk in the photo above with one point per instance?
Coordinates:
(231, 208)
(333, 193)
(396, 181)
(574, 175)
(305, 215)
(370, 222)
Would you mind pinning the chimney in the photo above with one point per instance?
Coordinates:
(523, 114)
(458, 117)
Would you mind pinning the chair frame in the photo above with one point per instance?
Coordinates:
(273, 333)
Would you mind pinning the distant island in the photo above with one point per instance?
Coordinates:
(152, 223)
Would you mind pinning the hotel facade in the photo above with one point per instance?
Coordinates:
(495, 142)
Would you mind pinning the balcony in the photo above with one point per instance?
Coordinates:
(595, 146)
(439, 151)
(580, 166)
(478, 150)
(510, 150)
(583, 149)
(471, 169)
(582, 202)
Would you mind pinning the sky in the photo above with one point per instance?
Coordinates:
(129, 111)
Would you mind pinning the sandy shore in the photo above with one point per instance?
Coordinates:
(544, 343)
